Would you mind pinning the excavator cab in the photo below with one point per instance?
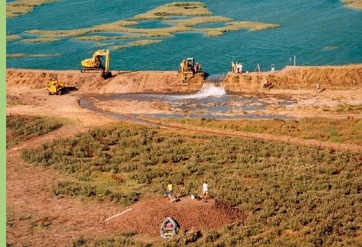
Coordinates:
(99, 62)
(96, 64)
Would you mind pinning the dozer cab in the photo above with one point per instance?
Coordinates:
(96, 64)
(188, 66)
(55, 86)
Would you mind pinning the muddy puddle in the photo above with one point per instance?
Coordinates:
(209, 102)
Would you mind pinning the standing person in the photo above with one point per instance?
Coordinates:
(205, 191)
(169, 191)
(233, 67)
(272, 67)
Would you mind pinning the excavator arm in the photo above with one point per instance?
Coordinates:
(95, 63)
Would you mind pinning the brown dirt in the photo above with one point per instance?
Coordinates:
(36, 217)
(146, 216)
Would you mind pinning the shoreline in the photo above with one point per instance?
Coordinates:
(290, 77)
(341, 86)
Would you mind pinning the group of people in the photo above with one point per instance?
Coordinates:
(236, 67)
(205, 191)
(197, 68)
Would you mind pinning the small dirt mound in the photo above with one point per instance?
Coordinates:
(145, 217)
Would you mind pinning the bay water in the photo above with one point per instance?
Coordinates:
(311, 32)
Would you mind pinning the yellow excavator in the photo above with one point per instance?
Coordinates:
(95, 63)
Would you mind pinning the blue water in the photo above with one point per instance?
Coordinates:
(306, 28)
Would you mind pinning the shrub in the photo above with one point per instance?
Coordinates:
(308, 191)
(21, 128)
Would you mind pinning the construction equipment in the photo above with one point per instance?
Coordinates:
(95, 63)
(55, 86)
(188, 66)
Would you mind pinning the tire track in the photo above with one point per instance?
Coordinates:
(89, 104)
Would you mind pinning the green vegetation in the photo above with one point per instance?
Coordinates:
(293, 195)
(349, 108)
(120, 240)
(21, 128)
(334, 130)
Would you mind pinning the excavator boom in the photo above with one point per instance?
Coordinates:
(95, 63)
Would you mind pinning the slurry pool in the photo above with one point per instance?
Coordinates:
(209, 102)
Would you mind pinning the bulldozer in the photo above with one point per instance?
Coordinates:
(188, 66)
(96, 64)
(55, 86)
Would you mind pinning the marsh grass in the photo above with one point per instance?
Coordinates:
(331, 47)
(16, 55)
(195, 13)
(356, 4)
(253, 26)
(175, 9)
(40, 40)
(160, 32)
(19, 7)
(13, 37)
(348, 108)
(119, 240)
(292, 194)
(234, 26)
(97, 38)
(45, 55)
(21, 128)
(344, 130)
(135, 44)
(199, 20)
(59, 33)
